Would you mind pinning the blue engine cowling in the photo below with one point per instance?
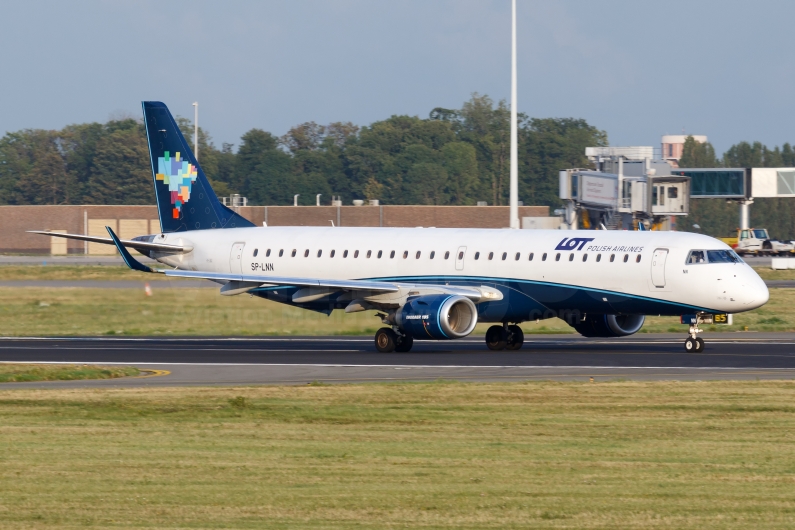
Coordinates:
(609, 325)
(437, 317)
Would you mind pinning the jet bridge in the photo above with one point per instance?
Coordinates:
(620, 193)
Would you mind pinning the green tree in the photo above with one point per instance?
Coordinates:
(698, 154)
(262, 170)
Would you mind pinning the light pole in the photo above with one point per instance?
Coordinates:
(295, 199)
(196, 130)
(514, 199)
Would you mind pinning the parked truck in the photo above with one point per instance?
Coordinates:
(757, 242)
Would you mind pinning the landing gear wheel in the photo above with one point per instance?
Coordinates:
(699, 345)
(515, 338)
(691, 345)
(496, 338)
(385, 340)
(404, 343)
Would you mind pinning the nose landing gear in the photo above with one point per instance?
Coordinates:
(694, 343)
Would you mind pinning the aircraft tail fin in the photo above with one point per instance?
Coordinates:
(185, 199)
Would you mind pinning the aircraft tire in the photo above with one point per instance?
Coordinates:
(496, 338)
(404, 344)
(699, 345)
(691, 346)
(515, 338)
(385, 340)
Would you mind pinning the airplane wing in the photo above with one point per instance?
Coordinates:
(313, 288)
(137, 245)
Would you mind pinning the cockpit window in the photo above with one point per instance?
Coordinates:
(712, 256)
(722, 256)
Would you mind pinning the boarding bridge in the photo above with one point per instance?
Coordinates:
(621, 192)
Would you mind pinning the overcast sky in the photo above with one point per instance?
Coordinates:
(637, 69)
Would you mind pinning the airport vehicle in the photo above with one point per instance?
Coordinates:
(429, 283)
(757, 241)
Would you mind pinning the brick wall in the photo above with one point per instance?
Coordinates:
(15, 220)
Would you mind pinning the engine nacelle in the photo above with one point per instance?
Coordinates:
(437, 317)
(609, 325)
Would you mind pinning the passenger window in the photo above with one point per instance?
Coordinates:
(418, 254)
(369, 253)
(626, 258)
(281, 252)
(392, 255)
(460, 255)
(319, 253)
(447, 254)
(544, 257)
(268, 253)
(256, 251)
(293, 254)
(345, 254)
(332, 253)
(518, 255)
(477, 255)
(504, 256)
(356, 254)
(598, 258)
(306, 253)
(585, 257)
(433, 253)
(380, 253)
(557, 256)
(531, 257)
(637, 260)
(491, 255)
(405, 254)
(571, 256)
(612, 258)
(696, 256)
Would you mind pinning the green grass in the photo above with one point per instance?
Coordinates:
(439, 455)
(10, 373)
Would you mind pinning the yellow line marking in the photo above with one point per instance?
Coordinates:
(152, 373)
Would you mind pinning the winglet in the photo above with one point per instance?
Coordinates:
(131, 262)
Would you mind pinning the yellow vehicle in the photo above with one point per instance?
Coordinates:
(757, 241)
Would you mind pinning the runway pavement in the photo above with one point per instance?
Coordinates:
(281, 360)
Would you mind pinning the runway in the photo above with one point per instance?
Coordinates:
(302, 360)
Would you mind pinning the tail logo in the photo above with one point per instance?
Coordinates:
(179, 176)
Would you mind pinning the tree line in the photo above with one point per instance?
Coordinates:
(452, 157)
(718, 218)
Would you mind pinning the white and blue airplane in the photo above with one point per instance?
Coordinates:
(435, 283)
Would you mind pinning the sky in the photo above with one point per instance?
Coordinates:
(636, 69)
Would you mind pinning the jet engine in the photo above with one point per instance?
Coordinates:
(609, 325)
(437, 317)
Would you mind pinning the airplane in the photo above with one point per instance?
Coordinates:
(435, 283)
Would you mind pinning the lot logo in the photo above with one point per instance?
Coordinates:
(575, 243)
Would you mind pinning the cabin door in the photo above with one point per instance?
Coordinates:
(658, 267)
(236, 258)
(459, 258)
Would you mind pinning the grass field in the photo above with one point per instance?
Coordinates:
(438, 455)
(10, 373)
(26, 311)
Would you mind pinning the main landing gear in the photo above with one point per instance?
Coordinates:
(387, 341)
(504, 337)
(694, 343)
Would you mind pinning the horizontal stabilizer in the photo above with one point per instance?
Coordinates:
(137, 245)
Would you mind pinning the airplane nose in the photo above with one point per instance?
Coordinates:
(756, 292)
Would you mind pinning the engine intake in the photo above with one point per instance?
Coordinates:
(438, 317)
(609, 325)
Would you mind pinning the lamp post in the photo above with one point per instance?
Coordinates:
(514, 198)
(196, 130)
